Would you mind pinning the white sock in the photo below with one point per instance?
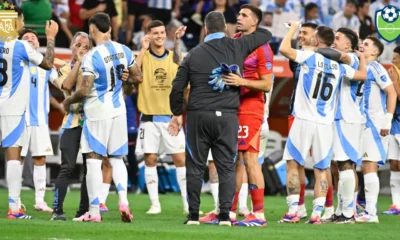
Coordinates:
(14, 180)
(39, 179)
(338, 211)
(243, 194)
(181, 177)
(105, 189)
(214, 192)
(293, 203)
(318, 206)
(355, 202)
(151, 178)
(347, 192)
(120, 177)
(94, 179)
(371, 182)
(395, 188)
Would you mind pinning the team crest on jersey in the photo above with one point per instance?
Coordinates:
(160, 75)
(8, 22)
(33, 70)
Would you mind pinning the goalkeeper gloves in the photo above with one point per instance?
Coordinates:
(217, 81)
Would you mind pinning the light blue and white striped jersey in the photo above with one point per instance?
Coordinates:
(270, 6)
(327, 8)
(37, 113)
(375, 98)
(351, 102)
(396, 120)
(106, 62)
(316, 91)
(339, 20)
(160, 4)
(14, 86)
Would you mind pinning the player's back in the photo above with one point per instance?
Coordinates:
(316, 91)
(14, 88)
(351, 102)
(106, 62)
(375, 97)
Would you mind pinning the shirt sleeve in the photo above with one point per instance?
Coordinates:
(53, 75)
(62, 74)
(87, 66)
(32, 55)
(303, 56)
(179, 84)
(347, 71)
(129, 56)
(249, 43)
(265, 60)
(380, 74)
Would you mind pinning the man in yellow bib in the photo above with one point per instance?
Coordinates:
(159, 67)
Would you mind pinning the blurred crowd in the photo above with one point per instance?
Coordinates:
(131, 17)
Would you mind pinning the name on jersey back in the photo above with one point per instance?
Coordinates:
(4, 50)
(332, 66)
(113, 57)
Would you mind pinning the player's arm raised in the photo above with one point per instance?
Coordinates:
(70, 81)
(51, 32)
(177, 57)
(286, 47)
(361, 73)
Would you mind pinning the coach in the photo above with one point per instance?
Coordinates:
(212, 120)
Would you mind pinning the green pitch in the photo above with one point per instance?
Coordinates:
(169, 224)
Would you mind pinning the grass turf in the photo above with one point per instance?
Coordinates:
(169, 224)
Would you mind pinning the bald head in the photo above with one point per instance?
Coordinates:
(215, 22)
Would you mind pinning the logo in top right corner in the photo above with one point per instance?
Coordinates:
(387, 23)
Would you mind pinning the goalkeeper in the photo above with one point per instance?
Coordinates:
(212, 121)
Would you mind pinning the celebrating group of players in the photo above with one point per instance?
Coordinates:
(344, 102)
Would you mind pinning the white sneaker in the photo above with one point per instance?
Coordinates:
(302, 211)
(42, 207)
(244, 212)
(328, 213)
(80, 219)
(366, 218)
(154, 210)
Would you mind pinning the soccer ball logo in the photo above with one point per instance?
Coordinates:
(390, 14)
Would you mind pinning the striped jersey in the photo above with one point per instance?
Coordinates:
(37, 113)
(160, 4)
(317, 87)
(396, 116)
(14, 86)
(106, 62)
(351, 102)
(375, 98)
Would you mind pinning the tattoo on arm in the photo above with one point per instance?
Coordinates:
(177, 57)
(324, 186)
(135, 74)
(48, 59)
(213, 177)
(84, 89)
(294, 184)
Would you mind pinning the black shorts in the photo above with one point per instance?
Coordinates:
(137, 9)
(164, 15)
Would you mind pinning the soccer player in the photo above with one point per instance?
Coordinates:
(104, 129)
(304, 38)
(159, 67)
(394, 139)
(37, 122)
(380, 103)
(348, 129)
(316, 92)
(257, 79)
(14, 94)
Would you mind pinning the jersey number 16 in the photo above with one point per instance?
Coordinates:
(326, 88)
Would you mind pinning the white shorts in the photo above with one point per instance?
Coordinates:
(394, 147)
(105, 137)
(374, 145)
(154, 138)
(347, 141)
(304, 135)
(12, 131)
(38, 141)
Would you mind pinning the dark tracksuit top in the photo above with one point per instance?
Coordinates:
(212, 121)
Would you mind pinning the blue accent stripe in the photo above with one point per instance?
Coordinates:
(319, 208)
(123, 150)
(46, 97)
(94, 144)
(119, 187)
(295, 152)
(378, 141)
(348, 149)
(162, 118)
(324, 163)
(34, 94)
(17, 69)
(118, 83)
(187, 144)
(308, 77)
(101, 83)
(128, 55)
(13, 137)
(10, 200)
(96, 201)
(1, 56)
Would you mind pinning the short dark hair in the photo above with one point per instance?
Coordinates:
(351, 35)
(361, 3)
(101, 21)
(25, 31)
(269, 13)
(310, 6)
(354, 2)
(154, 24)
(326, 34)
(310, 25)
(215, 22)
(397, 50)
(377, 44)
(255, 10)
